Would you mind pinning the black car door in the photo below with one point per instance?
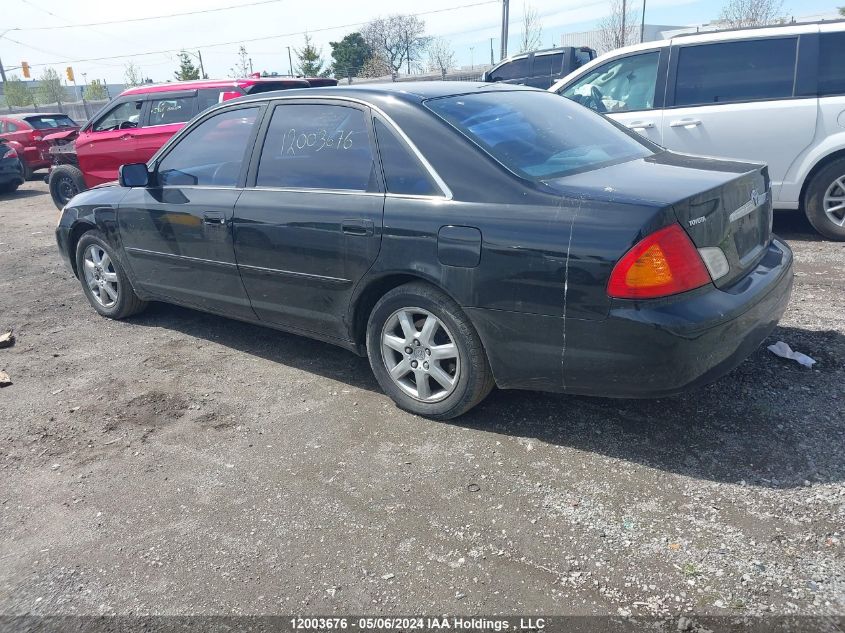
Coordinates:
(177, 232)
(311, 225)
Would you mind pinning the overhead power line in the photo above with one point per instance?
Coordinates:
(152, 17)
(248, 40)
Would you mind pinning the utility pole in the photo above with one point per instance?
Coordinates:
(472, 57)
(290, 63)
(624, 15)
(491, 50)
(250, 66)
(2, 72)
(504, 47)
(199, 57)
(642, 25)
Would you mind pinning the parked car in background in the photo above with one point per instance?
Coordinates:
(774, 94)
(11, 169)
(26, 132)
(134, 125)
(542, 68)
(456, 233)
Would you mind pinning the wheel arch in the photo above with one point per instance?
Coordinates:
(816, 168)
(80, 228)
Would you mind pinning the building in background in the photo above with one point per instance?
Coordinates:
(651, 33)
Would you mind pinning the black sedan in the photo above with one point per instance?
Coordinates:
(460, 235)
(11, 169)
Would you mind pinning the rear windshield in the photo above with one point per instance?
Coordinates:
(538, 134)
(50, 121)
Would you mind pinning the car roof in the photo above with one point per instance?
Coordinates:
(413, 91)
(23, 115)
(211, 83)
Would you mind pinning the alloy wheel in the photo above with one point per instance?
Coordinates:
(834, 202)
(101, 276)
(420, 354)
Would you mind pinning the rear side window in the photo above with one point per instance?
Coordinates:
(728, 72)
(516, 69)
(49, 122)
(547, 65)
(317, 147)
(122, 116)
(171, 110)
(403, 173)
(831, 68)
(212, 153)
(11, 127)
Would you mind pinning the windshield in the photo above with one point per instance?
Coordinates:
(50, 121)
(538, 135)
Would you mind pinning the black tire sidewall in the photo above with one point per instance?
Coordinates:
(471, 374)
(60, 172)
(125, 293)
(814, 200)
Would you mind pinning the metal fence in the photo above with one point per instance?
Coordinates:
(79, 111)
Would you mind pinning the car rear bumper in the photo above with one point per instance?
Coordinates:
(644, 349)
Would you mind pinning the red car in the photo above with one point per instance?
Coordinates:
(134, 125)
(25, 133)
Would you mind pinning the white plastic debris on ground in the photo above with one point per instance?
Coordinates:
(784, 351)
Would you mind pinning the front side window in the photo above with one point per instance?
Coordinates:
(620, 85)
(212, 153)
(516, 69)
(403, 173)
(538, 135)
(50, 121)
(317, 147)
(547, 65)
(728, 72)
(831, 68)
(170, 111)
(123, 116)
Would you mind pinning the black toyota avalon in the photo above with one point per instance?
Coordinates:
(460, 235)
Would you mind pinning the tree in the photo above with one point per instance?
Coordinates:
(187, 71)
(95, 91)
(132, 75)
(441, 56)
(241, 67)
(349, 55)
(310, 60)
(50, 89)
(619, 28)
(841, 10)
(738, 14)
(532, 30)
(375, 66)
(17, 92)
(397, 39)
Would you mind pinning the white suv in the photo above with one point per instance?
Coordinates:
(773, 95)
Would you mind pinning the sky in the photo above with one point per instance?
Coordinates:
(267, 27)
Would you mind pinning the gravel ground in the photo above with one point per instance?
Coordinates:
(185, 463)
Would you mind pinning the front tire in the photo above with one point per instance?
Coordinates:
(65, 181)
(425, 353)
(824, 201)
(103, 279)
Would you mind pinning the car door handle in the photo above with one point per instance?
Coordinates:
(689, 123)
(357, 227)
(641, 125)
(127, 137)
(213, 218)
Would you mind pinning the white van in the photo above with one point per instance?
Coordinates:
(772, 94)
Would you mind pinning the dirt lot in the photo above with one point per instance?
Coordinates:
(185, 463)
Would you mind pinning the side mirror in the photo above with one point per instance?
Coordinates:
(133, 175)
(485, 77)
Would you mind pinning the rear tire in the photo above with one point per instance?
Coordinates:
(65, 181)
(824, 200)
(446, 372)
(103, 278)
(10, 187)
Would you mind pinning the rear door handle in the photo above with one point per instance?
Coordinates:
(213, 218)
(641, 125)
(688, 123)
(357, 227)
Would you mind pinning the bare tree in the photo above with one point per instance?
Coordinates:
(132, 75)
(532, 29)
(441, 56)
(375, 66)
(241, 67)
(397, 39)
(619, 28)
(738, 14)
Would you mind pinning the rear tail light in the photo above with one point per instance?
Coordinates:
(661, 264)
(10, 153)
(36, 138)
